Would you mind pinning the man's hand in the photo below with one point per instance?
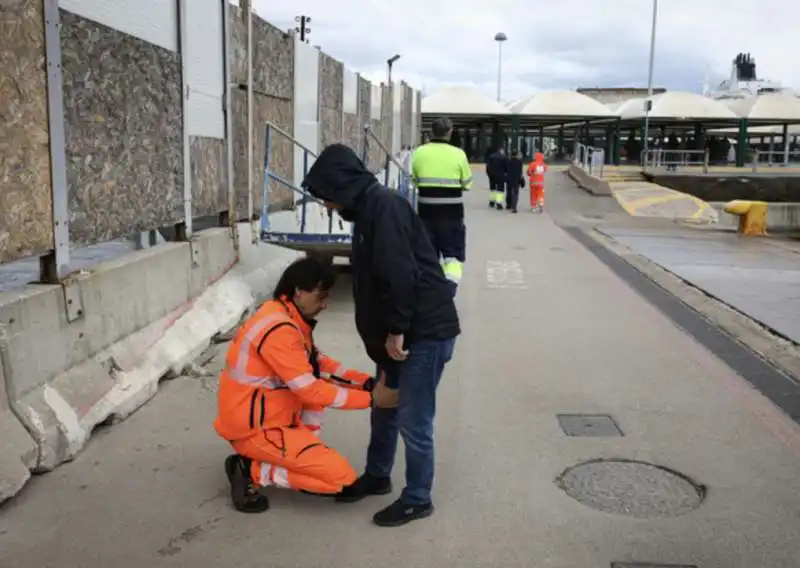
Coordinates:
(383, 396)
(394, 347)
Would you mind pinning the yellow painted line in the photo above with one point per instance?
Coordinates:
(634, 198)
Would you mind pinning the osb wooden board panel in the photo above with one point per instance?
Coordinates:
(331, 82)
(387, 117)
(364, 100)
(209, 161)
(273, 56)
(352, 132)
(25, 202)
(405, 116)
(330, 129)
(376, 156)
(122, 105)
(280, 113)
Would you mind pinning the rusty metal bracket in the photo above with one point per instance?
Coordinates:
(72, 299)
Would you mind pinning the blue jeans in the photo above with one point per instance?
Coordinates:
(417, 377)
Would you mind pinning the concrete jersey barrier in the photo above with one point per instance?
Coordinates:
(147, 315)
(588, 182)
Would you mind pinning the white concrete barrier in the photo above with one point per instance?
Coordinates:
(146, 316)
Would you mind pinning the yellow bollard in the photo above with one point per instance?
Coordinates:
(752, 216)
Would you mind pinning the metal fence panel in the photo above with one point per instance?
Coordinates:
(306, 104)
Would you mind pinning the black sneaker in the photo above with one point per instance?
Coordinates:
(364, 486)
(244, 493)
(398, 514)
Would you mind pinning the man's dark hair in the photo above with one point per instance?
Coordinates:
(440, 127)
(305, 274)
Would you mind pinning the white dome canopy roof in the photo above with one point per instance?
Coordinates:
(678, 105)
(461, 100)
(561, 103)
(776, 106)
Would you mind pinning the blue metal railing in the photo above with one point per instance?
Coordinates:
(404, 184)
(313, 236)
(271, 131)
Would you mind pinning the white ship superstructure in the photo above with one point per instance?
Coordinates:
(744, 82)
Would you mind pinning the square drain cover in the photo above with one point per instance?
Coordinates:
(589, 425)
(646, 565)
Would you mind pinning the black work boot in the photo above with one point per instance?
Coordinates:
(244, 493)
(398, 513)
(364, 486)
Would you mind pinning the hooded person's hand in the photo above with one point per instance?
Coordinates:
(394, 347)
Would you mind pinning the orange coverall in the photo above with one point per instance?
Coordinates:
(536, 171)
(271, 399)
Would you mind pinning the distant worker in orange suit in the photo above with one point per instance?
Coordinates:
(272, 394)
(536, 170)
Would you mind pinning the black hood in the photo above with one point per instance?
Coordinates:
(340, 177)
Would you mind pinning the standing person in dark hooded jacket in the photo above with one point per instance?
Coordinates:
(514, 180)
(406, 317)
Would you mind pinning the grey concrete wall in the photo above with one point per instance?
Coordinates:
(122, 105)
(331, 100)
(26, 226)
(781, 217)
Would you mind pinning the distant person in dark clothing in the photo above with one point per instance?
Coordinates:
(496, 171)
(514, 180)
(406, 317)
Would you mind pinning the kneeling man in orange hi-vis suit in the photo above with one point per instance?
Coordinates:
(274, 388)
(536, 170)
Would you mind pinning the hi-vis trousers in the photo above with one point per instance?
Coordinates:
(449, 239)
(293, 457)
(497, 195)
(537, 195)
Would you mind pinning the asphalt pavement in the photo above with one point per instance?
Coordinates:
(578, 426)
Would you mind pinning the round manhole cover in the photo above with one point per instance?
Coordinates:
(631, 488)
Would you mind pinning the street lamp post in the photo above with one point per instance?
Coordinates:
(499, 37)
(389, 63)
(649, 103)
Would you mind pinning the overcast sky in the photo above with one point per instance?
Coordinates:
(553, 44)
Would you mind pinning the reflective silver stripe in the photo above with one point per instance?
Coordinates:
(281, 477)
(301, 382)
(269, 383)
(447, 182)
(312, 418)
(466, 182)
(274, 475)
(440, 200)
(239, 372)
(341, 398)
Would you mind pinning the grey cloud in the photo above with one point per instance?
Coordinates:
(614, 62)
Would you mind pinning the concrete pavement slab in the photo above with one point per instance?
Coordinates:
(574, 339)
(751, 275)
